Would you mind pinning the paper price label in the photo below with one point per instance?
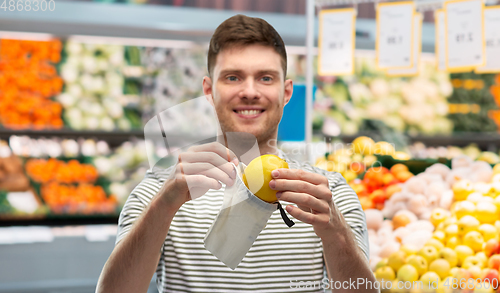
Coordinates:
(417, 45)
(464, 34)
(394, 45)
(336, 41)
(440, 46)
(492, 40)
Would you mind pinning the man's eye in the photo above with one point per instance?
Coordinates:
(267, 78)
(232, 78)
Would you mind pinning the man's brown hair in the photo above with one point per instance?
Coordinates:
(241, 30)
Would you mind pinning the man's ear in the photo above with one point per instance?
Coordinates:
(208, 90)
(288, 90)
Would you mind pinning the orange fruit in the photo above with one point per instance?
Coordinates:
(388, 178)
(391, 189)
(398, 168)
(404, 175)
(366, 203)
(378, 196)
(400, 220)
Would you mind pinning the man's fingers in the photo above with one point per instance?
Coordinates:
(307, 201)
(217, 148)
(299, 186)
(208, 157)
(307, 217)
(297, 174)
(208, 170)
(201, 182)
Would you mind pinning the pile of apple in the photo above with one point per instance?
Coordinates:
(379, 184)
(459, 243)
(434, 187)
(353, 159)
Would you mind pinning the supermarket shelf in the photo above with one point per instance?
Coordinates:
(153, 25)
(59, 220)
(114, 138)
(485, 141)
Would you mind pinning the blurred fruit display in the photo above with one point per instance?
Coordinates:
(420, 151)
(355, 158)
(380, 184)
(44, 171)
(456, 245)
(28, 81)
(93, 97)
(495, 92)
(68, 188)
(415, 105)
(69, 177)
(16, 195)
(473, 104)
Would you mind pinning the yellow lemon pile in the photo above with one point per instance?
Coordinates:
(257, 176)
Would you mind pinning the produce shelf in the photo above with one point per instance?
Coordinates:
(485, 141)
(114, 138)
(57, 220)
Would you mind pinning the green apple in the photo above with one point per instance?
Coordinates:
(449, 255)
(472, 261)
(474, 240)
(396, 260)
(430, 280)
(407, 273)
(463, 252)
(430, 253)
(441, 267)
(385, 273)
(419, 262)
(466, 224)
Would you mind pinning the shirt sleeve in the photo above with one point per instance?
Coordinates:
(137, 201)
(348, 204)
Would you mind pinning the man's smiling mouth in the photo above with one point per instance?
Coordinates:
(248, 112)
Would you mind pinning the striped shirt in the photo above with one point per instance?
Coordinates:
(281, 259)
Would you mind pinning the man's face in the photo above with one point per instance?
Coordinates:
(248, 90)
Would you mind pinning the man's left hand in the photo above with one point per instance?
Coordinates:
(311, 193)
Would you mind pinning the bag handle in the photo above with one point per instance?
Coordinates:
(285, 218)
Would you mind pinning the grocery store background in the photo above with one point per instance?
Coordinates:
(79, 81)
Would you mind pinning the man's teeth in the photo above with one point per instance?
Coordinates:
(249, 112)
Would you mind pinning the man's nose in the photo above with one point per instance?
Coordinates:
(249, 90)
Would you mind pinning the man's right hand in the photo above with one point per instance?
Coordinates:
(198, 169)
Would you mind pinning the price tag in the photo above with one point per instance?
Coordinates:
(464, 39)
(417, 46)
(440, 48)
(336, 41)
(492, 40)
(394, 48)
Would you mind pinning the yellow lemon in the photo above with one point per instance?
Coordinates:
(384, 148)
(257, 176)
(363, 145)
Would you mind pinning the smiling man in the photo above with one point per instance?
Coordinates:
(161, 230)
